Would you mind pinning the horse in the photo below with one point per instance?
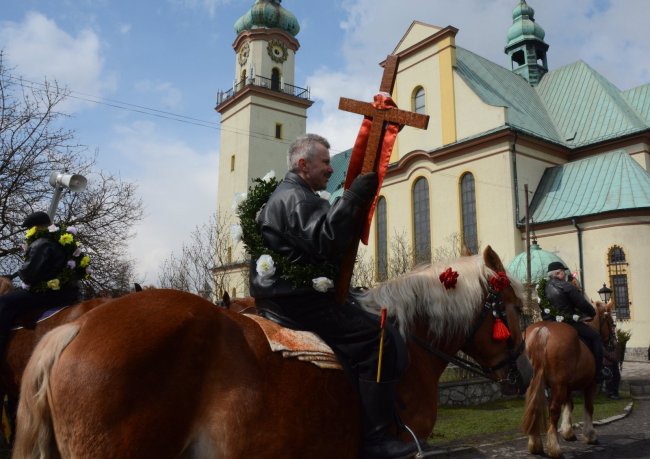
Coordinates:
(562, 363)
(27, 332)
(166, 374)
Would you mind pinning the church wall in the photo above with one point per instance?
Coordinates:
(421, 69)
(473, 116)
(260, 60)
(631, 234)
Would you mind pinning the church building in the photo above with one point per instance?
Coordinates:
(578, 144)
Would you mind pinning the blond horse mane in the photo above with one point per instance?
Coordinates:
(421, 294)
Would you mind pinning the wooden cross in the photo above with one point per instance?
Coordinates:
(373, 150)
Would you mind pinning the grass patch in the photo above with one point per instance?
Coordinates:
(501, 420)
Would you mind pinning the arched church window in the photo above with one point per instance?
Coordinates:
(382, 240)
(421, 218)
(418, 102)
(617, 267)
(469, 233)
(275, 79)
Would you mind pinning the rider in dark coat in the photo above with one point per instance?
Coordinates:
(44, 260)
(301, 226)
(570, 301)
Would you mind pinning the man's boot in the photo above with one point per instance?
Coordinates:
(378, 416)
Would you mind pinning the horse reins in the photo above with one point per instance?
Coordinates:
(493, 303)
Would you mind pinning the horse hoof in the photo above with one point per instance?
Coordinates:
(571, 437)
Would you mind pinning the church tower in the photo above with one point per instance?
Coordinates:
(261, 114)
(526, 46)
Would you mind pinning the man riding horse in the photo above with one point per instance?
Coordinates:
(569, 301)
(297, 224)
(50, 273)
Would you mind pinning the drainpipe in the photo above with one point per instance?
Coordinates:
(582, 273)
(515, 179)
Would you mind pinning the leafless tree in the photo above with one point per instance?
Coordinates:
(33, 144)
(193, 270)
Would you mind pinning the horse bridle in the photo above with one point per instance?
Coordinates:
(493, 303)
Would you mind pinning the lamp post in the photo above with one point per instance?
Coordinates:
(605, 294)
(61, 181)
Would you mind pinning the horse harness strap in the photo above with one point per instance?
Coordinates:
(494, 304)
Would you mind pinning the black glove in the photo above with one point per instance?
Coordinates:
(365, 186)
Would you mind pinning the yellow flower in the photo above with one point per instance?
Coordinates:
(66, 238)
(30, 232)
(84, 261)
(54, 284)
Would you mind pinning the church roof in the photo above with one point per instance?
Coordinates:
(573, 105)
(539, 261)
(603, 183)
(268, 14)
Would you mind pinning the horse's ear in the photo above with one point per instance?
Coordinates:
(226, 299)
(137, 287)
(492, 260)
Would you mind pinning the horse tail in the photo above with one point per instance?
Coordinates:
(35, 431)
(534, 421)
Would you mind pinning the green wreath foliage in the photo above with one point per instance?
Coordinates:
(546, 305)
(298, 274)
(76, 260)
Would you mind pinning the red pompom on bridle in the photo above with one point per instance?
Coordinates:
(500, 332)
(449, 278)
(499, 281)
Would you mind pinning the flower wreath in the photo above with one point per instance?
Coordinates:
(548, 310)
(299, 275)
(77, 261)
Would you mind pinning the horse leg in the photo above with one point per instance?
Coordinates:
(558, 398)
(534, 412)
(588, 430)
(566, 424)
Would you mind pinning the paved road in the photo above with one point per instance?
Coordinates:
(623, 436)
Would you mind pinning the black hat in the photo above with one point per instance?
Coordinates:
(555, 265)
(37, 219)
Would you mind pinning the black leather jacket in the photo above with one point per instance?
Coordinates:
(44, 260)
(567, 298)
(302, 226)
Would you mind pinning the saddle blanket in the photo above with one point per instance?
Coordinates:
(21, 322)
(303, 345)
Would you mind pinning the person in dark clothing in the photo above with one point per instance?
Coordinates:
(610, 361)
(48, 275)
(569, 301)
(298, 224)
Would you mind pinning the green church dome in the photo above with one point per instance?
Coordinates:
(539, 261)
(523, 25)
(268, 14)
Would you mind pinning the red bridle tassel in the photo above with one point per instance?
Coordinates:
(500, 332)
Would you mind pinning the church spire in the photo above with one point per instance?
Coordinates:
(525, 44)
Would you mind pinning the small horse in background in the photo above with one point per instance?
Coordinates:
(108, 384)
(562, 363)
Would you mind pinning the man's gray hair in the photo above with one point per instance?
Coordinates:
(304, 147)
(554, 274)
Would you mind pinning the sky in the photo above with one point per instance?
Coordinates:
(143, 77)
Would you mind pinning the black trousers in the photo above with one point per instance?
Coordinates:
(18, 301)
(352, 333)
(593, 341)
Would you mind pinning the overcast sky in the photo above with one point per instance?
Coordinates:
(143, 75)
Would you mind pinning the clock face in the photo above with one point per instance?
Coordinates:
(277, 51)
(243, 54)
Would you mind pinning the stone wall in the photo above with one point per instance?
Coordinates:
(465, 393)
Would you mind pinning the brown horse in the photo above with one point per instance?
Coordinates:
(166, 374)
(23, 340)
(562, 363)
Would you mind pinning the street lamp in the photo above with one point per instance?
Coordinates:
(605, 294)
(61, 181)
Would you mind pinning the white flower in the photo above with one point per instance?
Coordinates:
(236, 233)
(547, 311)
(77, 252)
(559, 318)
(265, 267)
(53, 228)
(72, 264)
(72, 230)
(269, 175)
(324, 194)
(576, 317)
(237, 199)
(322, 284)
